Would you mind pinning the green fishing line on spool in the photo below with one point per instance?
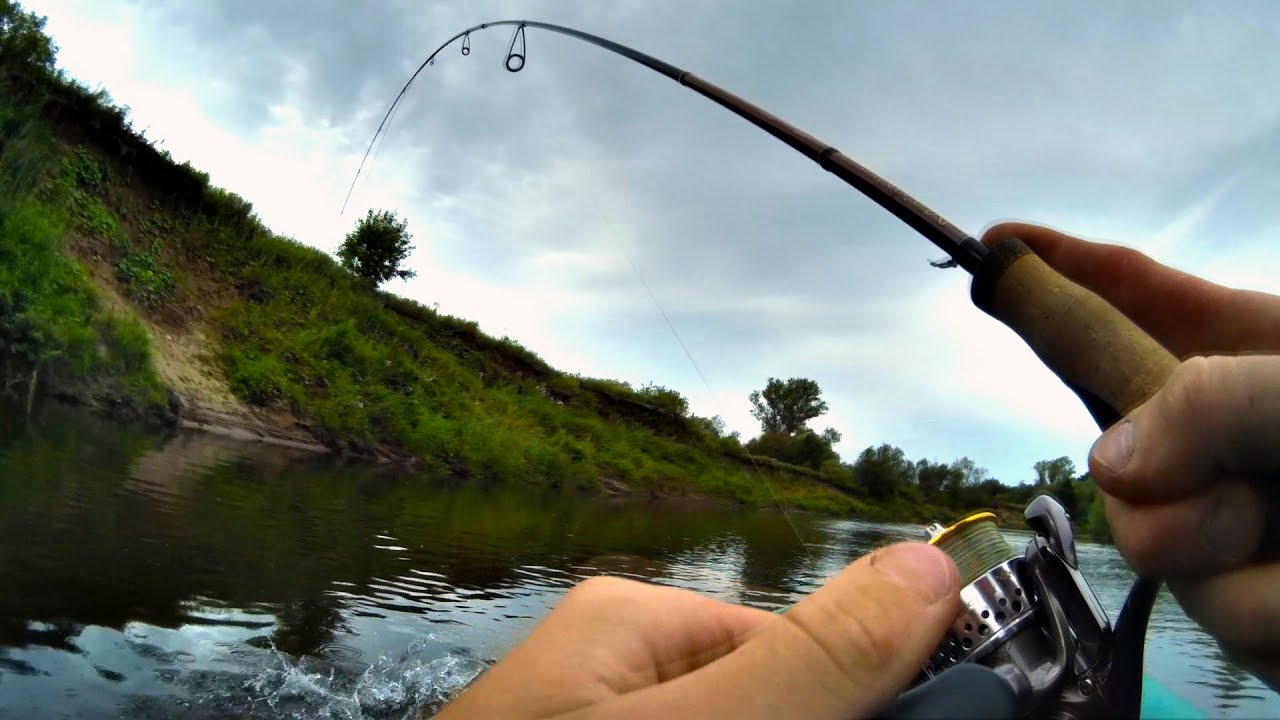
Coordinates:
(975, 548)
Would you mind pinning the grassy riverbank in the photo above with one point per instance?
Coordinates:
(128, 282)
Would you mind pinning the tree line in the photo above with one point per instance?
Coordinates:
(885, 474)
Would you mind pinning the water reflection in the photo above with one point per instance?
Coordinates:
(153, 577)
(1233, 688)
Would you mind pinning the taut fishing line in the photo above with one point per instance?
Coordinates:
(711, 396)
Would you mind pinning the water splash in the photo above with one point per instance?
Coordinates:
(412, 685)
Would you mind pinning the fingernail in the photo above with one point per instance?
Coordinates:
(923, 569)
(1113, 449)
(1233, 525)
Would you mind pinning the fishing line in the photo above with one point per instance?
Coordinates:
(595, 201)
(378, 150)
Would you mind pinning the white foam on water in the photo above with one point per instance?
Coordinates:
(401, 689)
(416, 684)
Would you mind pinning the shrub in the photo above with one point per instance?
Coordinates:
(664, 398)
(146, 280)
(377, 247)
(260, 379)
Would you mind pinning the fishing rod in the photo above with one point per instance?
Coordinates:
(1032, 638)
(959, 246)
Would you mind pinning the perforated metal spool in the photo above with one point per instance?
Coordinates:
(995, 607)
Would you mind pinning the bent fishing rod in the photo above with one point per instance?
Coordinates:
(1032, 638)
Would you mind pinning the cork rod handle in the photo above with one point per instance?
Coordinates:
(1111, 363)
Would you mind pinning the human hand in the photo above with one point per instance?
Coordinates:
(1189, 477)
(616, 648)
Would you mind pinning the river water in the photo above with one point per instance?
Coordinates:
(189, 576)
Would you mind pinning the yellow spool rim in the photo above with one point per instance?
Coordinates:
(961, 524)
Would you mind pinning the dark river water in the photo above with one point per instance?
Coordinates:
(201, 578)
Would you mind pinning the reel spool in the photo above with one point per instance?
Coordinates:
(974, 543)
(1028, 614)
(996, 600)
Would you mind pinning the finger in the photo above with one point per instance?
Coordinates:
(1216, 417)
(1186, 314)
(1240, 608)
(842, 652)
(637, 634)
(608, 636)
(1195, 536)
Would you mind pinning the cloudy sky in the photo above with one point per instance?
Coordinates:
(544, 202)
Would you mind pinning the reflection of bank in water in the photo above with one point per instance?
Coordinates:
(1232, 686)
(720, 570)
(634, 567)
(173, 470)
(287, 581)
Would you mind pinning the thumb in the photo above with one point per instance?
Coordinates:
(845, 651)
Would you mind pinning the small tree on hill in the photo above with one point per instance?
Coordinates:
(786, 406)
(375, 249)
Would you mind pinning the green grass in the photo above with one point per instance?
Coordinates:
(55, 334)
(147, 281)
(52, 326)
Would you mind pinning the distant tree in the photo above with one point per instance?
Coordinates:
(1054, 472)
(971, 472)
(377, 247)
(1022, 494)
(953, 489)
(1057, 477)
(885, 472)
(786, 406)
(1094, 521)
(990, 492)
(831, 436)
(713, 426)
(965, 483)
(1066, 494)
(932, 477)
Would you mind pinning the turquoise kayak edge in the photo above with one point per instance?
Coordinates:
(1161, 703)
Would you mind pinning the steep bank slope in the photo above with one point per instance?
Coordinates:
(127, 281)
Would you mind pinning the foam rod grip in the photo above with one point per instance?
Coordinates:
(1110, 362)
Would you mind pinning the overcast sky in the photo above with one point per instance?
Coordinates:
(542, 202)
